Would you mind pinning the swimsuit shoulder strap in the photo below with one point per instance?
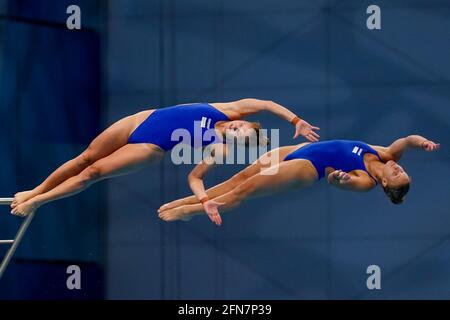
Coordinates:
(222, 114)
(371, 150)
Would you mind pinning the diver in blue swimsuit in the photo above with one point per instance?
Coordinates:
(158, 128)
(136, 141)
(346, 164)
(344, 155)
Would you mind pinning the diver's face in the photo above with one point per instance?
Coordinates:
(239, 129)
(393, 175)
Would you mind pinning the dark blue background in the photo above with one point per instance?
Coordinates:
(315, 57)
(50, 110)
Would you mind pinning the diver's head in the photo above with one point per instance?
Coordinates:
(248, 133)
(395, 182)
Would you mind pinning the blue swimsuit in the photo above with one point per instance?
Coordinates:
(195, 119)
(345, 155)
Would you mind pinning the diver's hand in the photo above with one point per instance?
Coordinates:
(306, 130)
(430, 146)
(341, 176)
(211, 208)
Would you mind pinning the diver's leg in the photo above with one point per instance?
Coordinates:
(271, 158)
(289, 174)
(125, 160)
(110, 140)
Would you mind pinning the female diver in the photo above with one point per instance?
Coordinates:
(134, 142)
(348, 165)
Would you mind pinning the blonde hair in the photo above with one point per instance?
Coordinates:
(261, 139)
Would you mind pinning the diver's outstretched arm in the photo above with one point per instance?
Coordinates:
(398, 147)
(245, 107)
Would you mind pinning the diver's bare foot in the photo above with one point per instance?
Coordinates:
(175, 214)
(21, 197)
(25, 208)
